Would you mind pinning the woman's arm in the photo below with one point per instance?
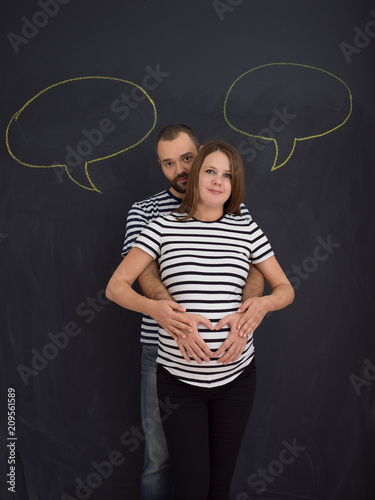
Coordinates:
(282, 294)
(119, 288)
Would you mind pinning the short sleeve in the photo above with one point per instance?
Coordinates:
(150, 239)
(136, 221)
(260, 247)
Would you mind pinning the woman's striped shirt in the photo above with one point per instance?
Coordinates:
(141, 214)
(204, 266)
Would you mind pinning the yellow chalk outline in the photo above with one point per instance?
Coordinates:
(93, 188)
(296, 138)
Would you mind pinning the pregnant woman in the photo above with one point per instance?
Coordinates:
(204, 251)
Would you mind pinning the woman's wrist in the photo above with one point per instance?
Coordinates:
(149, 306)
(267, 303)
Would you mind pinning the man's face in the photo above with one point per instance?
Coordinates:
(176, 158)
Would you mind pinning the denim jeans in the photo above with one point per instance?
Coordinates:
(156, 482)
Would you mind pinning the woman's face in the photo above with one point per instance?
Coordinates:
(215, 180)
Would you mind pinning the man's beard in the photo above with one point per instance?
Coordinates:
(180, 188)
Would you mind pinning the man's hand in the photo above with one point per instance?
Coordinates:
(193, 346)
(252, 313)
(170, 316)
(235, 344)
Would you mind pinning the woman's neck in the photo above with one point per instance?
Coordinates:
(207, 214)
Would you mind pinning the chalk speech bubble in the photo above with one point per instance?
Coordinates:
(290, 102)
(77, 122)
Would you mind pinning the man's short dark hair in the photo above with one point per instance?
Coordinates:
(171, 132)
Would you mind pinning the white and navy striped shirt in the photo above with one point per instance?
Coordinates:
(204, 266)
(139, 216)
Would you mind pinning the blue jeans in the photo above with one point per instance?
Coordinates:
(156, 482)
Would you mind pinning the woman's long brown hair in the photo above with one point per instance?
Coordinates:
(232, 205)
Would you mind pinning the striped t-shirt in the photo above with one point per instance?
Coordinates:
(204, 266)
(139, 216)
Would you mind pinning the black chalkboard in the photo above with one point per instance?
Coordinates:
(85, 88)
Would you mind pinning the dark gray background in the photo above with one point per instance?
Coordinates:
(60, 242)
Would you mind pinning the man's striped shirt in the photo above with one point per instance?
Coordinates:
(139, 216)
(204, 266)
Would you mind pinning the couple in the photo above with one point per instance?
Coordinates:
(205, 356)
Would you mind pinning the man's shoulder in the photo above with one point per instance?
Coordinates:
(245, 217)
(163, 198)
(244, 211)
(238, 222)
(148, 209)
(153, 199)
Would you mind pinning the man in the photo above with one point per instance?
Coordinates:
(176, 148)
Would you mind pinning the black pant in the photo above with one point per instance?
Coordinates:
(204, 429)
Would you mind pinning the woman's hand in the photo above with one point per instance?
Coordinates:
(252, 313)
(234, 345)
(192, 345)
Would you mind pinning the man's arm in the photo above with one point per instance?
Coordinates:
(254, 284)
(174, 323)
(169, 316)
(171, 320)
(181, 326)
(149, 281)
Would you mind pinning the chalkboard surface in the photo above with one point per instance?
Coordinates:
(85, 87)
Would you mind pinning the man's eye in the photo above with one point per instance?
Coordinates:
(187, 158)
